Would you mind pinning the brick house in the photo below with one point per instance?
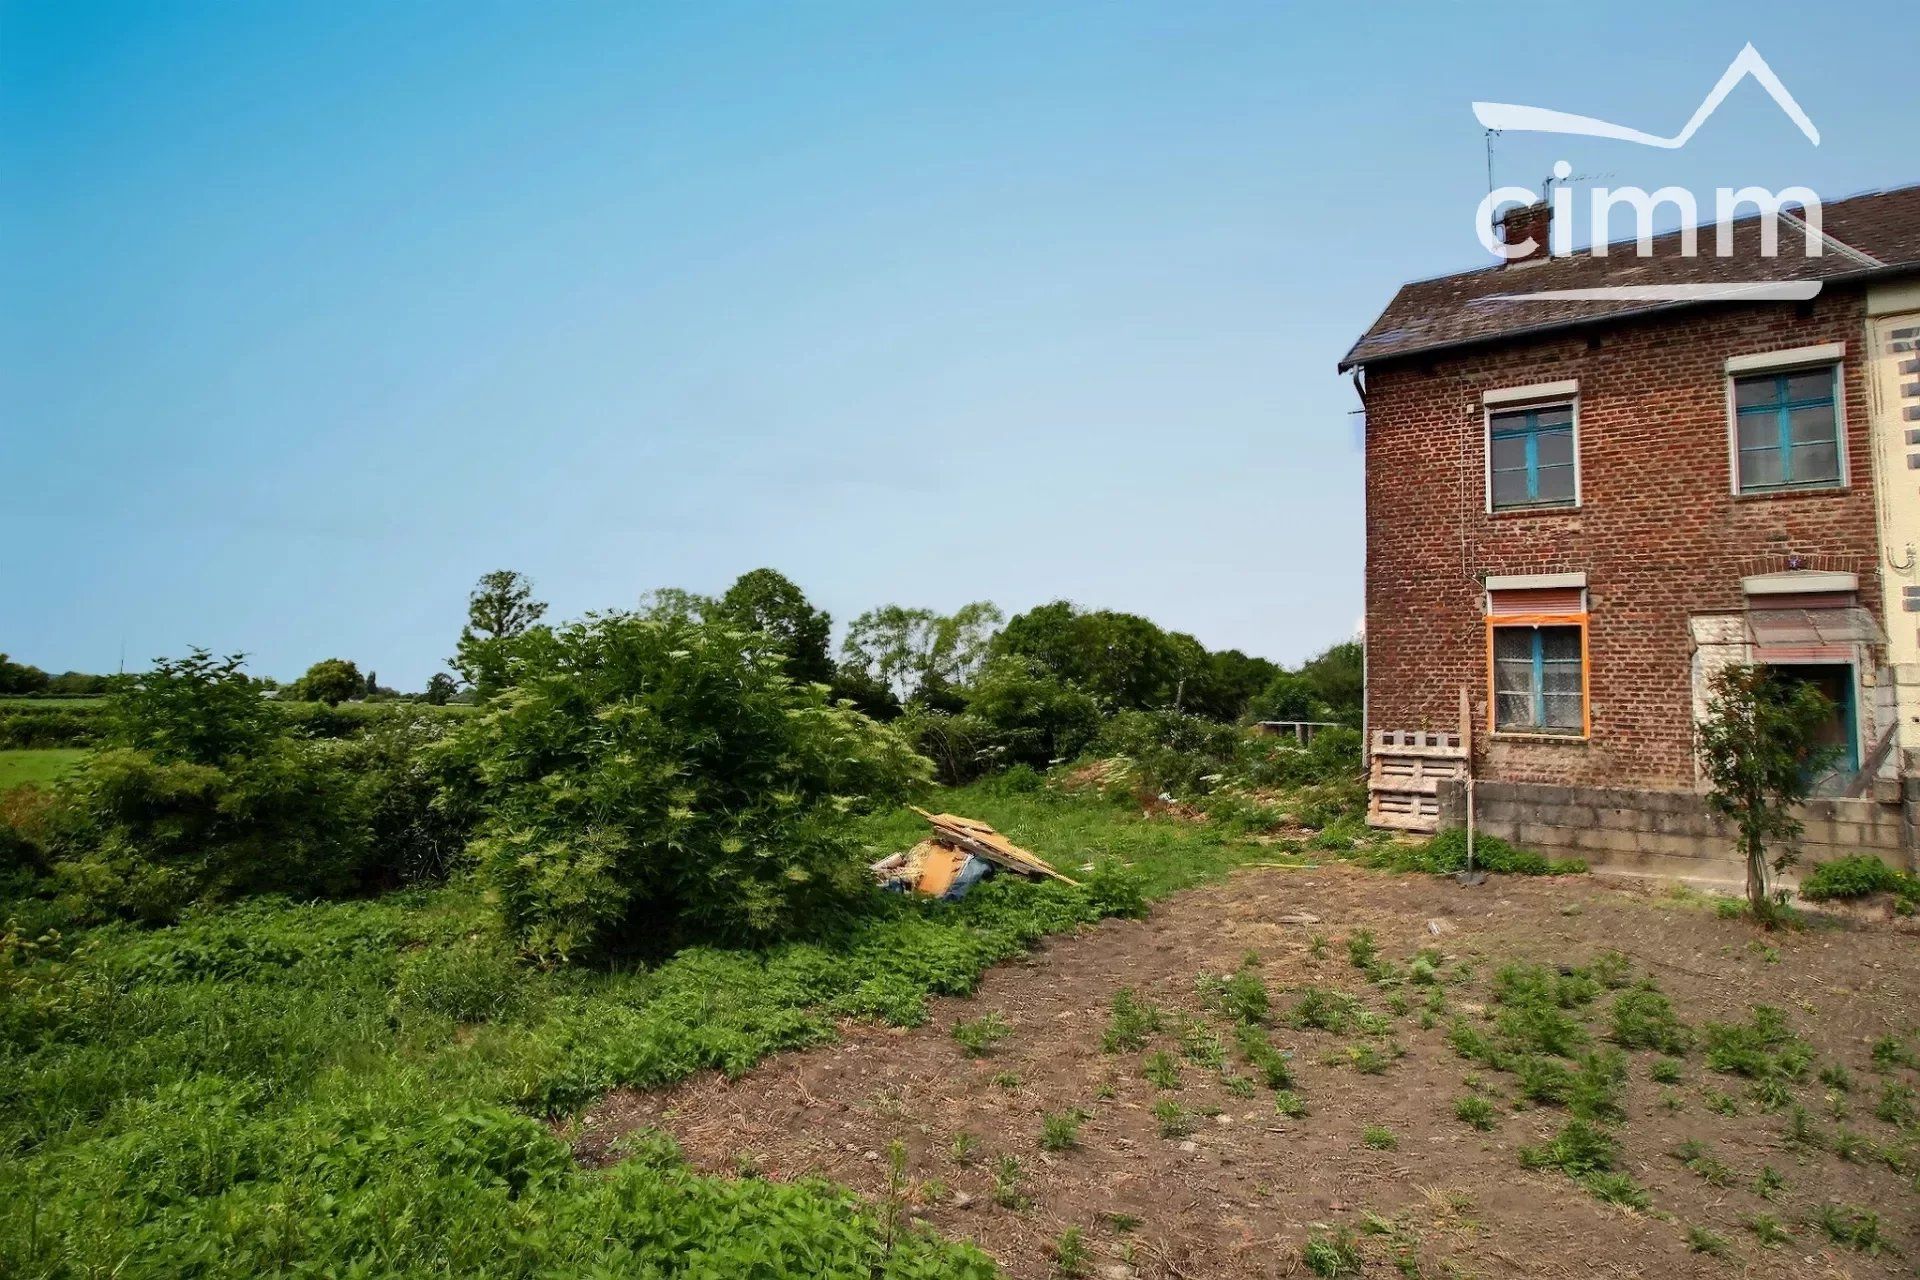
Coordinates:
(1577, 510)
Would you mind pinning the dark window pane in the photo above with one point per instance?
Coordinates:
(1509, 452)
(1561, 677)
(1808, 425)
(1556, 484)
(1812, 385)
(1815, 463)
(1555, 448)
(1759, 430)
(1513, 711)
(1560, 415)
(1759, 468)
(1509, 488)
(1563, 711)
(1560, 644)
(1512, 420)
(1748, 392)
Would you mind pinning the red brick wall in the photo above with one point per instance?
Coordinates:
(1659, 534)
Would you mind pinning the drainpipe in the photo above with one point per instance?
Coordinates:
(1366, 650)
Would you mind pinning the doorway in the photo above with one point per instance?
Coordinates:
(1841, 731)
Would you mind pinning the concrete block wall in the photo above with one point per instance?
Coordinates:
(1670, 834)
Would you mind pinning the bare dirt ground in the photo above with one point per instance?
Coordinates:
(1239, 1195)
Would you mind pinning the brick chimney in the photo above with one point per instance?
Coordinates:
(1533, 222)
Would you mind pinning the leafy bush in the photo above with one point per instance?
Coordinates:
(39, 727)
(206, 793)
(1858, 875)
(1171, 753)
(474, 980)
(1028, 715)
(646, 778)
(1447, 853)
(1333, 755)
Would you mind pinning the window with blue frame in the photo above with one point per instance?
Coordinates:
(1786, 430)
(1538, 685)
(1530, 457)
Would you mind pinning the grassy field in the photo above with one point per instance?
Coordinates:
(67, 704)
(17, 767)
(361, 1087)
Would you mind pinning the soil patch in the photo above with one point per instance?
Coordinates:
(1240, 1194)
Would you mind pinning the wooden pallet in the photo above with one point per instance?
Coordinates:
(1403, 780)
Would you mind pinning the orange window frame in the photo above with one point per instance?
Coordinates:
(1586, 673)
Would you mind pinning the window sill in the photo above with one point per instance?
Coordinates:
(1562, 739)
(1544, 509)
(1797, 491)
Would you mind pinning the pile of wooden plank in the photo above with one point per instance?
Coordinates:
(933, 866)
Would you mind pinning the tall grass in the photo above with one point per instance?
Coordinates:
(363, 1087)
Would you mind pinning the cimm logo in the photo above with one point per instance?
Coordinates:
(1728, 202)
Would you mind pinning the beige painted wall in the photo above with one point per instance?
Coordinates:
(1893, 351)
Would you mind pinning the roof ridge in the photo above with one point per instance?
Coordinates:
(1826, 206)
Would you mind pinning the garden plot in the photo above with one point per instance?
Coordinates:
(1535, 1077)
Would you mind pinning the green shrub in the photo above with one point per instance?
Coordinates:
(41, 727)
(1858, 875)
(145, 837)
(205, 794)
(1446, 853)
(1170, 753)
(648, 777)
(473, 980)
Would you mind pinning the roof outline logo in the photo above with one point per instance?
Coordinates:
(1748, 62)
(1535, 217)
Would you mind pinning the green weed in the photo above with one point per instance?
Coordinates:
(1175, 1120)
(1379, 1138)
(1162, 1070)
(1475, 1111)
(977, 1037)
(1332, 1256)
(1701, 1240)
(1131, 1022)
(1060, 1131)
(1853, 1227)
(1006, 1184)
(1070, 1253)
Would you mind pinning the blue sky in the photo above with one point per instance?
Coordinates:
(310, 314)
